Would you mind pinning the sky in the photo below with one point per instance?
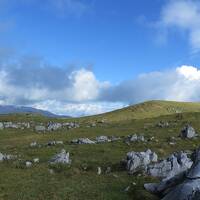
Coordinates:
(85, 57)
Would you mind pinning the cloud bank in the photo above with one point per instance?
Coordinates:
(184, 15)
(30, 81)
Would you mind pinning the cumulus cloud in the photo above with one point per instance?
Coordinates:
(77, 91)
(185, 16)
(181, 84)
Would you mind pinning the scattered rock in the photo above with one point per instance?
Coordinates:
(182, 186)
(108, 170)
(51, 126)
(62, 157)
(173, 165)
(162, 124)
(188, 132)
(28, 164)
(82, 141)
(135, 138)
(33, 144)
(99, 170)
(102, 139)
(36, 160)
(136, 161)
(40, 128)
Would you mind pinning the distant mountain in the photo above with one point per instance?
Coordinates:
(9, 109)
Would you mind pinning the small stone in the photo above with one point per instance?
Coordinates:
(99, 170)
(28, 164)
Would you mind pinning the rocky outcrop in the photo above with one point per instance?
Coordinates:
(182, 186)
(173, 165)
(136, 161)
(188, 132)
(62, 157)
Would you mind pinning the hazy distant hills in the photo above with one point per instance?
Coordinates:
(9, 109)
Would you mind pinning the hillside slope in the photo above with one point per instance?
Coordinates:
(148, 109)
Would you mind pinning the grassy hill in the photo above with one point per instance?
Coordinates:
(148, 109)
(80, 180)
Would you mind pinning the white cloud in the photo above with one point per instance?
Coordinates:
(78, 92)
(78, 109)
(184, 15)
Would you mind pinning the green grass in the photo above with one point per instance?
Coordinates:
(80, 181)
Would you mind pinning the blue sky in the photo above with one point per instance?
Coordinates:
(103, 54)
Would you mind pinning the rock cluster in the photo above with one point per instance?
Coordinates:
(162, 124)
(182, 186)
(188, 132)
(135, 138)
(83, 141)
(6, 157)
(62, 157)
(137, 161)
(51, 126)
(173, 165)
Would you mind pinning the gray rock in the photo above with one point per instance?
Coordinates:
(173, 165)
(82, 141)
(28, 164)
(40, 128)
(188, 132)
(33, 144)
(183, 186)
(102, 139)
(36, 160)
(53, 126)
(62, 157)
(136, 161)
(135, 138)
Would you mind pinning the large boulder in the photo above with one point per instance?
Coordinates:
(173, 165)
(135, 138)
(136, 161)
(62, 157)
(188, 132)
(184, 186)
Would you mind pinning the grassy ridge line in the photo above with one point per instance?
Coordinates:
(149, 109)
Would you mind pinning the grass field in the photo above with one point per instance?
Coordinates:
(75, 182)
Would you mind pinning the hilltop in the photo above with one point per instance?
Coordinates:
(149, 109)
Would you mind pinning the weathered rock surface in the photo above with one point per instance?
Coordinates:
(62, 157)
(53, 126)
(102, 139)
(136, 161)
(82, 141)
(173, 165)
(183, 186)
(135, 138)
(188, 132)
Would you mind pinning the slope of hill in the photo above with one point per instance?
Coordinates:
(9, 109)
(148, 109)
